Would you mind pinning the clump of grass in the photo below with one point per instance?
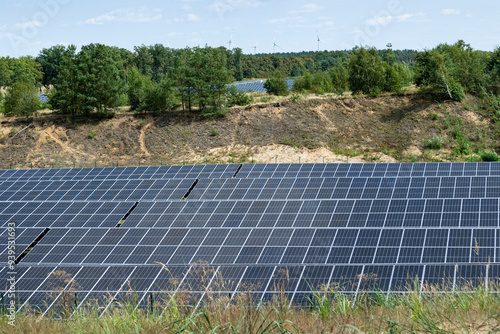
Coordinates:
(433, 115)
(214, 133)
(436, 142)
(91, 134)
(295, 97)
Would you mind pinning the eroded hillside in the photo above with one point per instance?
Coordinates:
(386, 128)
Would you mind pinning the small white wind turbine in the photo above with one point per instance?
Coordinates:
(255, 47)
(319, 40)
(275, 46)
(231, 40)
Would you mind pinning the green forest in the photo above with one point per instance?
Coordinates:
(156, 78)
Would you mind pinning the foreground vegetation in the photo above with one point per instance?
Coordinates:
(467, 310)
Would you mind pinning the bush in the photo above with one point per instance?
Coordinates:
(366, 71)
(340, 78)
(295, 98)
(91, 134)
(435, 143)
(489, 155)
(303, 84)
(463, 143)
(456, 90)
(237, 98)
(161, 97)
(398, 76)
(123, 100)
(21, 100)
(277, 84)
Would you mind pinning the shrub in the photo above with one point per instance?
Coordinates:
(366, 71)
(20, 100)
(237, 98)
(295, 97)
(91, 134)
(456, 90)
(463, 143)
(489, 155)
(277, 84)
(435, 143)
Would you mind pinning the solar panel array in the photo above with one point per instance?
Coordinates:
(362, 227)
(257, 86)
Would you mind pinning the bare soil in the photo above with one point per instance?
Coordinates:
(361, 129)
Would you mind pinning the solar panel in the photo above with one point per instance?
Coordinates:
(263, 228)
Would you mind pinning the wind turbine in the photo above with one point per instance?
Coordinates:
(319, 40)
(255, 47)
(317, 34)
(231, 40)
(275, 45)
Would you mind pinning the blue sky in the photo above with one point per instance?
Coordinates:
(28, 26)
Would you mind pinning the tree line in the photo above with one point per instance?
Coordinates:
(157, 78)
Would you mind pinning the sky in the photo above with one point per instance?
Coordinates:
(28, 26)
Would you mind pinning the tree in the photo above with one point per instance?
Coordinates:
(340, 78)
(88, 81)
(430, 71)
(366, 71)
(237, 64)
(72, 92)
(304, 83)
(398, 76)
(20, 99)
(161, 97)
(202, 78)
(104, 76)
(277, 84)
(50, 59)
(494, 70)
(138, 88)
(6, 71)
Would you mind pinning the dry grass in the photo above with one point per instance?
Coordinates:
(467, 309)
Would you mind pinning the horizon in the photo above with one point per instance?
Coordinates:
(258, 27)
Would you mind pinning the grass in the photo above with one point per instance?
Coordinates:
(436, 142)
(420, 308)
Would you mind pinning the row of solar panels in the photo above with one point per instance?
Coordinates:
(112, 190)
(101, 287)
(257, 86)
(257, 171)
(256, 214)
(252, 189)
(236, 246)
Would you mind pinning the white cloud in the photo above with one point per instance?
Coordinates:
(223, 6)
(193, 18)
(186, 7)
(127, 15)
(26, 25)
(307, 8)
(387, 19)
(450, 11)
(287, 19)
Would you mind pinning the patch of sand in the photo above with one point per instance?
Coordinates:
(283, 154)
(142, 140)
